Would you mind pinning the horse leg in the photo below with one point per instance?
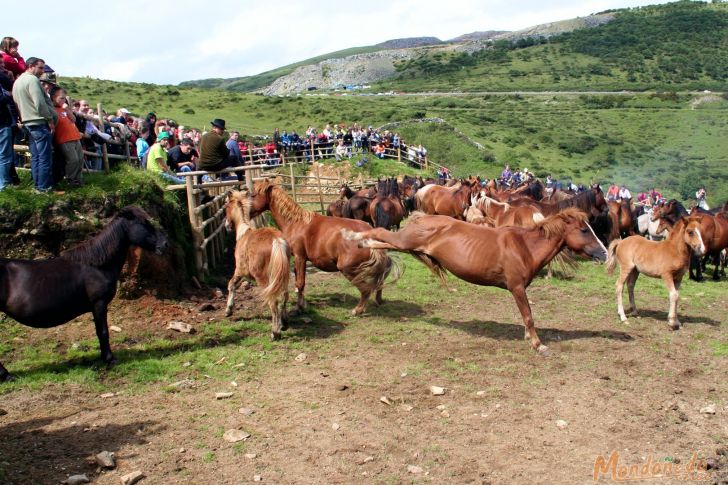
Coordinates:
(674, 295)
(102, 331)
(232, 286)
(623, 275)
(276, 322)
(5, 376)
(378, 297)
(299, 266)
(631, 280)
(284, 311)
(716, 262)
(519, 293)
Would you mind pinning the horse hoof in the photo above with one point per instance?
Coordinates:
(675, 325)
(634, 313)
(543, 351)
(275, 336)
(111, 363)
(357, 311)
(228, 312)
(8, 377)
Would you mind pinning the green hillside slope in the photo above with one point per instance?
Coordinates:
(674, 46)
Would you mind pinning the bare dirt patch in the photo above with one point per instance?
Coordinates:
(636, 389)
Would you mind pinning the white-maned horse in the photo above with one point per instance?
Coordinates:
(649, 228)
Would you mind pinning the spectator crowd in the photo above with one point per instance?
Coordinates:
(66, 136)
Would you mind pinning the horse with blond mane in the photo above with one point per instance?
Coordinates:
(506, 257)
(668, 259)
(316, 238)
(260, 254)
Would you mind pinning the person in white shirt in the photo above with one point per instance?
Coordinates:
(624, 193)
(700, 196)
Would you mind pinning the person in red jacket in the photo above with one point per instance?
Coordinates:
(11, 58)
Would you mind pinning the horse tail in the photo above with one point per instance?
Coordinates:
(372, 273)
(612, 256)
(614, 232)
(279, 272)
(381, 216)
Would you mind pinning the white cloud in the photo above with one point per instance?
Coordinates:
(172, 41)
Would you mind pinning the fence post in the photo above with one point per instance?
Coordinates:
(249, 180)
(127, 151)
(320, 189)
(427, 165)
(196, 237)
(293, 183)
(399, 154)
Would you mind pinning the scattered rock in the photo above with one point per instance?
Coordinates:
(246, 411)
(407, 407)
(233, 384)
(251, 456)
(76, 480)
(414, 469)
(708, 409)
(306, 320)
(223, 395)
(480, 393)
(218, 293)
(257, 478)
(386, 400)
(445, 414)
(335, 426)
(219, 362)
(342, 387)
(132, 478)
(437, 391)
(183, 383)
(206, 307)
(441, 407)
(301, 357)
(365, 460)
(235, 435)
(187, 364)
(107, 395)
(106, 460)
(182, 450)
(561, 424)
(3, 412)
(403, 374)
(181, 327)
(114, 328)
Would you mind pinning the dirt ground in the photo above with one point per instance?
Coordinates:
(637, 390)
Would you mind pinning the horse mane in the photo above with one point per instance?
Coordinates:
(99, 250)
(490, 200)
(556, 224)
(583, 201)
(286, 206)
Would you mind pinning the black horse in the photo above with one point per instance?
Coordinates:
(48, 293)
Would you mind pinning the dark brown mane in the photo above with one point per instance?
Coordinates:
(98, 250)
(584, 201)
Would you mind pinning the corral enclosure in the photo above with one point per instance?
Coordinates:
(342, 399)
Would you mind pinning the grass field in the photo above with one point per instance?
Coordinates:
(635, 388)
(675, 141)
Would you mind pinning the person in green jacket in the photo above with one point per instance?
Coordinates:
(38, 120)
(214, 153)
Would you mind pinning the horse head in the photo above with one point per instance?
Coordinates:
(577, 233)
(237, 212)
(693, 235)
(260, 197)
(140, 230)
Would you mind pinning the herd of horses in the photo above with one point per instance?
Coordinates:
(480, 232)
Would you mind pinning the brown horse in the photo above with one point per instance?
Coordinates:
(386, 209)
(504, 214)
(668, 259)
(316, 238)
(713, 228)
(506, 257)
(621, 212)
(445, 201)
(260, 254)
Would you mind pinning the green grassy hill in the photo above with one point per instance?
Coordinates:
(672, 140)
(674, 46)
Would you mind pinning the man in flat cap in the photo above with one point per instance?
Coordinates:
(214, 153)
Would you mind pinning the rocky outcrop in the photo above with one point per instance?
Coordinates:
(409, 42)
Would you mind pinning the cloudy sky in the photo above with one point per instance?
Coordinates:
(172, 41)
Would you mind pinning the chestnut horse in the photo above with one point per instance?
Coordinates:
(621, 212)
(714, 229)
(446, 201)
(260, 254)
(668, 259)
(386, 209)
(504, 214)
(316, 238)
(506, 257)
